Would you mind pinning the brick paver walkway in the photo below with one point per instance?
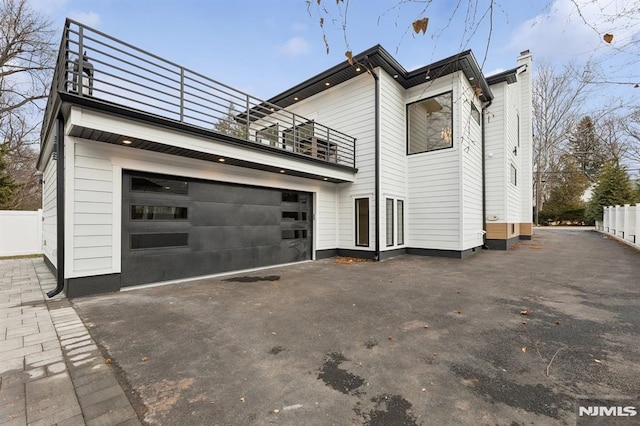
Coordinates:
(51, 371)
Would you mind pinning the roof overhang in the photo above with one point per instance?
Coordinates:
(377, 56)
(130, 114)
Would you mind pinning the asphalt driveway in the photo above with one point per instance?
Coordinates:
(515, 337)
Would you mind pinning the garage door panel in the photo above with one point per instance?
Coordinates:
(219, 227)
(233, 194)
(219, 214)
(206, 238)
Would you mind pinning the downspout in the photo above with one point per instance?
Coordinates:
(60, 207)
(377, 158)
(484, 178)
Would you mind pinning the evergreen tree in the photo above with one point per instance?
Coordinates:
(230, 124)
(7, 186)
(565, 197)
(587, 149)
(613, 188)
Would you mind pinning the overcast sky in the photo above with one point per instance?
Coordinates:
(267, 46)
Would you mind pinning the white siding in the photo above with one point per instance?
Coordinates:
(526, 139)
(471, 163)
(95, 241)
(496, 178)
(393, 151)
(349, 108)
(433, 207)
(513, 191)
(92, 212)
(49, 212)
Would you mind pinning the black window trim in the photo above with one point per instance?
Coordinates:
(357, 221)
(393, 221)
(408, 126)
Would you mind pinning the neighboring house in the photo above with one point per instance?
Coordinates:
(153, 172)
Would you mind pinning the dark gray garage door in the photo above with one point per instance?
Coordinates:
(174, 227)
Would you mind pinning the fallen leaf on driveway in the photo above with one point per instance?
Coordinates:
(144, 359)
(525, 312)
(598, 361)
(107, 361)
(524, 350)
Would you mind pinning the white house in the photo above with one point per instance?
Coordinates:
(153, 172)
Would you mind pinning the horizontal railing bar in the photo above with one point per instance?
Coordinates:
(128, 89)
(97, 89)
(97, 60)
(125, 74)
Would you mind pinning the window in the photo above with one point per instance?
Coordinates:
(400, 214)
(146, 241)
(389, 222)
(430, 124)
(158, 213)
(153, 184)
(294, 234)
(514, 175)
(475, 113)
(362, 222)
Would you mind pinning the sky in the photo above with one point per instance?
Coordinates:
(264, 47)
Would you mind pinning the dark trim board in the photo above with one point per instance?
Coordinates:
(362, 254)
(50, 265)
(96, 284)
(388, 254)
(454, 254)
(525, 237)
(502, 244)
(326, 254)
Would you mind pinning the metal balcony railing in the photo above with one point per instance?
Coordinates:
(95, 65)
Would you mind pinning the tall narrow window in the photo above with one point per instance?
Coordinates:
(400, 214)
(514, 175)
(362, 222)
(389, 222)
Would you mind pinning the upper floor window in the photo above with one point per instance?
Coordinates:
(475, 113)
(430, 124)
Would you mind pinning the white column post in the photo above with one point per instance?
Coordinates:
(637, 230)
(625, 222)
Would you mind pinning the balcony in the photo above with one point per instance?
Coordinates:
(93, 67)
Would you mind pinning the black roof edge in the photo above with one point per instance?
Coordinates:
(510, 76)
(377, 56)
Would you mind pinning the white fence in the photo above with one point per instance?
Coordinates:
(20, 232)
(622, 222)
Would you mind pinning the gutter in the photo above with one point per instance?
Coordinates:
(484, 178)
(59, 144)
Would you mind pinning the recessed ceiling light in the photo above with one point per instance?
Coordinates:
(282, 171)
(395, 76)
(126, 142)
(358, 69)
(295, 99)
(325, 179)
(427, 77)
(222, 160)
(471, 78)
(327, 84)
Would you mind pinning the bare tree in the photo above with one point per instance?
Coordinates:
(478, 16)
(557, 99)
(21, 140)
(27, 58)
